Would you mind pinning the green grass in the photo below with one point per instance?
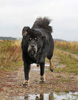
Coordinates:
(57, 90)
(65, 80)
(71, 63)
(67, 90)
(11, 66)
(51, 96)
(58, 76)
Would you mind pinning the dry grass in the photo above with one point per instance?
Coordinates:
(10, 54)
(71, 63)
(67, 46)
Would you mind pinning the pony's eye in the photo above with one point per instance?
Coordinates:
(35, 38)
(30, 38)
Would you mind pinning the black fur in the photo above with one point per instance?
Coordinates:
(43, 23)
(41, 31)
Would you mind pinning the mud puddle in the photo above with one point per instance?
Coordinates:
(47, 64)
(38, 68)
(49, 96)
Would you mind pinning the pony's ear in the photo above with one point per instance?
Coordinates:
(25, 30)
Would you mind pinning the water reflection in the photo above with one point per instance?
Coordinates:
(42, 96)
(49, 96)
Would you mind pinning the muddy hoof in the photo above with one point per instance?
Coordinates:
(24, 85)
(51, 70)
(41, 82)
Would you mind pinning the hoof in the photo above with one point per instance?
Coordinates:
(42, 82)
(42, 79)
(24, 85)
(51, 70)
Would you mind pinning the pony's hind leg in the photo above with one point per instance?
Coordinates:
(51, 65)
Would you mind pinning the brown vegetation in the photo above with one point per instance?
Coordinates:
(10, 54)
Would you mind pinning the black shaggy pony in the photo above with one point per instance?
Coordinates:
(37, 44)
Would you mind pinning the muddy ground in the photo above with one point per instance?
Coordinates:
(10, 84)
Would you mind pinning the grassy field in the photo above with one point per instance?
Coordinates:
(66, 59)
(10, 54)
(69, 63)
(67, 46)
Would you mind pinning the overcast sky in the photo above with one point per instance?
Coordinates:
(15, 14)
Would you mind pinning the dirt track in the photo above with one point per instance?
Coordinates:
(10, 86)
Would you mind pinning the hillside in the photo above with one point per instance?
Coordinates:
(7, 38)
